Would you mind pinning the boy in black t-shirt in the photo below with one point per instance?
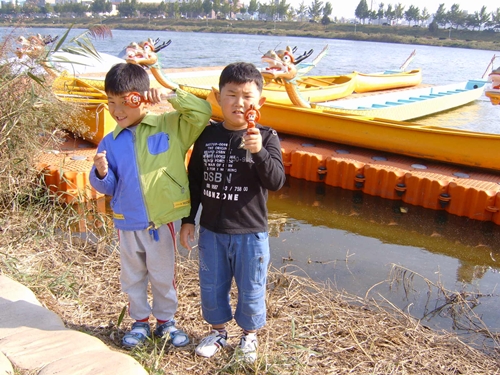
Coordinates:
(232, 189)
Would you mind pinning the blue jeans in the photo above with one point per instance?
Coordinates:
(244, 257)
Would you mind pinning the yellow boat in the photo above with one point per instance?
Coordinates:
(94, 101)
(494, 95)
(461, 147)
(368, 82)
(312, 88)
(493, 92)
(99, 122)
(316, 89)
(281, 76)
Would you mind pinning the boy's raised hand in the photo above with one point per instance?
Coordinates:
(157, 94)
(187, 235)
(101, 164)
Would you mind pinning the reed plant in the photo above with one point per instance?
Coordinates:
(32, 122)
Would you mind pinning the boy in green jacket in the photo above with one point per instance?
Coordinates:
(141, 166)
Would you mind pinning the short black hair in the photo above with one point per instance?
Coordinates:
(125, 77)
(241, 72)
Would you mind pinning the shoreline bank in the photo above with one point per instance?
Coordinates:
(484, 40)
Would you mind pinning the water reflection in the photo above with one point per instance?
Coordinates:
(473, 243)
(359, 242)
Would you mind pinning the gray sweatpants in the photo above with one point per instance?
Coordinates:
(143, 259)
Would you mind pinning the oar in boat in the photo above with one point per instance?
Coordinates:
(489, 68)
(408, 60)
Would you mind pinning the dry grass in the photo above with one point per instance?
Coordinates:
(311, 328)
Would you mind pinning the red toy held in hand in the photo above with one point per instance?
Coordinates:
(134, 100)
(252, 115)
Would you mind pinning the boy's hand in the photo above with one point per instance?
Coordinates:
(187, 235)
(253, 140)
(157, 94)
(101, 164)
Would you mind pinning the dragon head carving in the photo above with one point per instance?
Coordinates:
(282, 63)
(33, 46)
(144, 53)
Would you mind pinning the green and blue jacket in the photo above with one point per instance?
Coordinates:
(147, 177)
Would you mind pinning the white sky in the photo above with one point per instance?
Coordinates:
(346, 8)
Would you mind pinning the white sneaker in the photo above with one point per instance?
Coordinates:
(211, 344)
(248, 347)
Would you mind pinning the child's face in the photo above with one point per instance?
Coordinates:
(125, 115)
(235, 99)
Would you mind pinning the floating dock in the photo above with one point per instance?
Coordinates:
(461, 191)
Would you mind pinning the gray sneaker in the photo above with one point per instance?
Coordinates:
(248, 348)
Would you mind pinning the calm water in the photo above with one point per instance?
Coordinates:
(354, 240)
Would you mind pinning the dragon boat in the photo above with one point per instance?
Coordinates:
(283, 65)
(324, 88)
(402, 105)
(413, 103)
(281, 78)
(397, 104)
(94, 101)
(468, 148)
(389, 79)
(313, 88)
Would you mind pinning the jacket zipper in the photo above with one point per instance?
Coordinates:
(139, 174)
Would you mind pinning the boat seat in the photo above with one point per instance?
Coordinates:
(379, 106)
(417, 99)
(406, 101)
(393, 103)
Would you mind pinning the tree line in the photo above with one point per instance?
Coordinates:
(455, 17)
(178, 9)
